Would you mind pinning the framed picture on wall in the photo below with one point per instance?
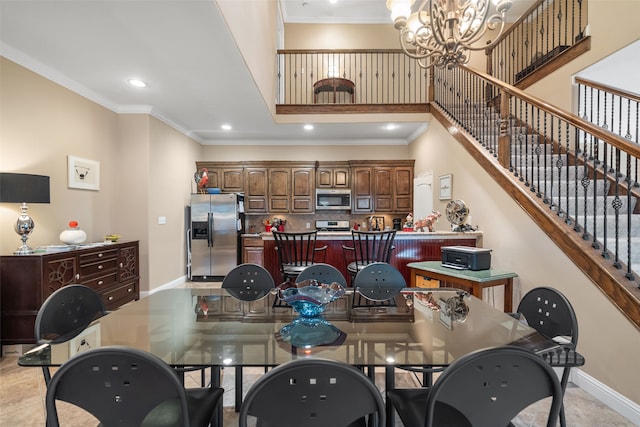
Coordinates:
(83, 173)
(445, 187)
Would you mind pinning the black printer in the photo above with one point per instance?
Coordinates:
(466, 257)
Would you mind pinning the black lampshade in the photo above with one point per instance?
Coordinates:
(24, 188)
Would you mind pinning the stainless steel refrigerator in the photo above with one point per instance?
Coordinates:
(214, 231)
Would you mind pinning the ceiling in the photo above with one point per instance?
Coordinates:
(183, 50)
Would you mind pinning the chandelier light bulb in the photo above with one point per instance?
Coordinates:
(400, 11)
(442, 32)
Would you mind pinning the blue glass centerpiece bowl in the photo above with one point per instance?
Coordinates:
(309, 297)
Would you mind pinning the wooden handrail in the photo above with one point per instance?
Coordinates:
(315, 51)
(607, 88)
(514, 26)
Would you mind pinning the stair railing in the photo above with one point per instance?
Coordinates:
(546, 30)
(584, 175)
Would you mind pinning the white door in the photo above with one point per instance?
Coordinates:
(423, 195)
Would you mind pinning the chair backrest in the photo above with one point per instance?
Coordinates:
(549, 312)
(119, 386)
(312, 393)
(490, 387)
(248, 282)
(372, 246)
(379, 281)
(323, 273)
(295, 249)
(66, 313)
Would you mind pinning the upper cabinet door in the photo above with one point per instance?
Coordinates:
(333, 177)
(255, 198)
(303, 193)
(362, 193)
(279, 190)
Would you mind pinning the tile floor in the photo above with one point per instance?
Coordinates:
(22, 392)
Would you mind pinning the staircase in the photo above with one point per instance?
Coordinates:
(576, 188)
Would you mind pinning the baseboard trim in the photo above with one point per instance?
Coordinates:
(168, 285)
(614, 400)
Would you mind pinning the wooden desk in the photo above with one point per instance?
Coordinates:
(476, 281)
(334, 84)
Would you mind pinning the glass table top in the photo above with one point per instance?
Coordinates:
(210, 327)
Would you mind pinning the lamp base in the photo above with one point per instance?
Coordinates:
(23, 250)
(24, 226)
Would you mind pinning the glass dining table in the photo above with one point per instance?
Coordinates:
(420, 330)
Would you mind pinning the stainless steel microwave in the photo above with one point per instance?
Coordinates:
(328, 199)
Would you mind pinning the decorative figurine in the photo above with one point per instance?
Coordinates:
(428, 222)
(201, 178)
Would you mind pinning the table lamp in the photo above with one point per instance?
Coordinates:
(24, 188)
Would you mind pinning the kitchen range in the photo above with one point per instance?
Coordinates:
(332, 225)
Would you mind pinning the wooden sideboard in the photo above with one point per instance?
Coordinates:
(26, 281)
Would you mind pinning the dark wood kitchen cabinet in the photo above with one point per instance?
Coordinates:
(291, 187)
(280, 190)
(303, 190)
(228, 177)
(26, 281)
(333, 175)
(383, 186)
(256, 193)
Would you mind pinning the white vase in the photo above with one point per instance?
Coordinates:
(73, 236)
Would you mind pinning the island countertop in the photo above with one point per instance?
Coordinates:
(400, 235)
(409, 247)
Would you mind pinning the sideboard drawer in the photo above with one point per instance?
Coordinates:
(102, 255)
(101, 282)
(120, 295)
(100, 267)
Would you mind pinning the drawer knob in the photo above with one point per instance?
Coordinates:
(129, 290)
(100, 255)
(100, 267)
(110, 298)
(100, 282)
(121, 265)
(78, 276)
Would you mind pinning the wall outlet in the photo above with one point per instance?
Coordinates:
(86, 340)
(308, 225)
(162, 220)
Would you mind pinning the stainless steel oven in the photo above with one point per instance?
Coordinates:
(328, 199)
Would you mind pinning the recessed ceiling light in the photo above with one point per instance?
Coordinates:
(137, 83)
(308, 127)
(390, 126)
(333, 1)
(226, 127)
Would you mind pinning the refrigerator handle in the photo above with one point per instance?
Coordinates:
(211, 237)
(189, 253)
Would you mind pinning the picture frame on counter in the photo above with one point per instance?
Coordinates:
(83, 173)
(445, 187)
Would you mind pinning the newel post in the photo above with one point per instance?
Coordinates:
(504, 141)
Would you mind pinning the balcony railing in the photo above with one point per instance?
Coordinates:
(546, 30)
(357, 77)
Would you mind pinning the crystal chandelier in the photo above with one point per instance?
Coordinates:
(445, 30)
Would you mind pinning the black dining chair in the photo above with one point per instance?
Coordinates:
(549, 312)
(376, 285)
(313, 393)
(368, 247)
(297, 251)
(485, 388)
(65, 314)
(323, 273)
(247, 282)
(129, 387)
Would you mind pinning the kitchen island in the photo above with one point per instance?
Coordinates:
(409, 247)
